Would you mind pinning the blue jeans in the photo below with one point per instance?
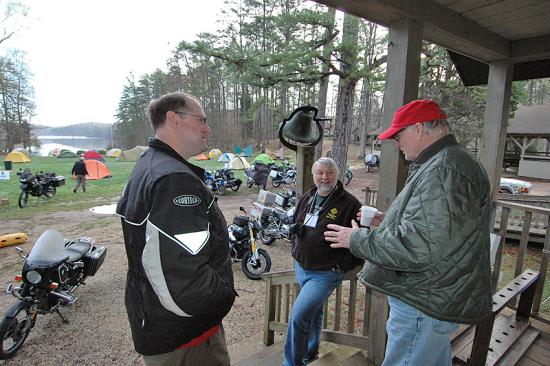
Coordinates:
(415, 338)
(306, 318)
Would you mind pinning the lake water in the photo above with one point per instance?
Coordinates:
(73, 143)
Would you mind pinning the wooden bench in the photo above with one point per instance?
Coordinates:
(498, 338)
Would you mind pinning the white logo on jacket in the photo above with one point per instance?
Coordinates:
(186, 200)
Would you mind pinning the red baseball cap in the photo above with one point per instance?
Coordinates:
(417, 111)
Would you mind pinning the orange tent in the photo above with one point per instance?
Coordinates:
(201, 157)
(96, 170)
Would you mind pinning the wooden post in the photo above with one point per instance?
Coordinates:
(493, 137)
(305, 157)
(404, 47)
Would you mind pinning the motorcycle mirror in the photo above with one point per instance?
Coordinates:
(20, 252)
(242, 209)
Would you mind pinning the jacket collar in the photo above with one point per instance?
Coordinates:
(164, 147)
(445, 141)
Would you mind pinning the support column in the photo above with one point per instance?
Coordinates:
(497, 107)
(403, 73)
(305, 157)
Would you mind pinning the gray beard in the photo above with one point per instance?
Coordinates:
(325, 189)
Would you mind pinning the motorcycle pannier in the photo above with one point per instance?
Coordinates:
(59, 181)
(94, 259)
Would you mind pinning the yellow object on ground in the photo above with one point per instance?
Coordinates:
(12, 239)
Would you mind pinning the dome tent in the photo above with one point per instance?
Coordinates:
(17, 157)
(226, 157)
(133, 154)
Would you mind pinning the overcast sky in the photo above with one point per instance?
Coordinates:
(81, 51)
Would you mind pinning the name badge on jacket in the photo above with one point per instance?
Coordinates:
(311, 220)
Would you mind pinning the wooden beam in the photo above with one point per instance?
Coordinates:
(493, 137)
(441, 25)
(403, 73)
(530, 49)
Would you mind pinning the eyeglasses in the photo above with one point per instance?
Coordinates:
(396, 137)
(201, 118)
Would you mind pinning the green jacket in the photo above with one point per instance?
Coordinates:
(432, 248)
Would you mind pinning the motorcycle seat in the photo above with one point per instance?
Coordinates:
(281, 215)
(77, 249)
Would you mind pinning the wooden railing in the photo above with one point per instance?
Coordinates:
(511, 214)
(346, 312)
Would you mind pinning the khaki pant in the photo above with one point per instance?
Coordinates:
(212, 352)
(80, 179)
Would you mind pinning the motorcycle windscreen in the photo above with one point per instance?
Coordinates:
(48, 249)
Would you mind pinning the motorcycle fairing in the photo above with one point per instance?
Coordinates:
(49, 248)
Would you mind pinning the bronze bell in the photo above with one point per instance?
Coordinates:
(301, 127)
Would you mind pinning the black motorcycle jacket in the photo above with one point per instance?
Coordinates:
(180, 281)
(309, 247)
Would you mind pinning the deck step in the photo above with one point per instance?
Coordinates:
(273, 355)
(508, 333)
(519, 348)
(338, 356)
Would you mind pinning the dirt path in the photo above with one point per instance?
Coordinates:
(98, 332)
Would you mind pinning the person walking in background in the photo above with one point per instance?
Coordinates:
(79, 170)
(319, 268)
(430, 254)
(180, 283)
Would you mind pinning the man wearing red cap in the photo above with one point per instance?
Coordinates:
(430, 251)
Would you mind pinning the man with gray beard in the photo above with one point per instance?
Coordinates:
(319, 268)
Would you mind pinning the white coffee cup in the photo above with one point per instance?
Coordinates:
(367, 214)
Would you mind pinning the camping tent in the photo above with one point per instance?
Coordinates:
(65, 154)
(96, 170)
(201, 156)
(245, 151)
(55, 152)
(264, 159)
(113, 153)
(133, 154)
(226, 157)
(17, 157)
(21, 150)
(93, 155)
(214, 153)
(239, 163)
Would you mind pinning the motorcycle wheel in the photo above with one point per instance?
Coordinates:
(254, 272)
(23, 199)
(349, 177)
(275, 183)
(235, 188)
(15, 329)
(50, 191)
(266, 239)
(221, 190)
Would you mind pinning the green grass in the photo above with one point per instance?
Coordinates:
(99, 192)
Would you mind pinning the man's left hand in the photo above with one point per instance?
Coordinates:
(340, 236)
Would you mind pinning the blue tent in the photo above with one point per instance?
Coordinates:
(225, 157)
(246, 151)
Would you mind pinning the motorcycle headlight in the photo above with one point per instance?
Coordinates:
(34, 277)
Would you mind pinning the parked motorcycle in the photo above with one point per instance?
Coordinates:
(257, 175)
(372, 161)
(221, 180)
(53, 269)
(276, 223)
(243, 233)
(282, 174)
(37, 185)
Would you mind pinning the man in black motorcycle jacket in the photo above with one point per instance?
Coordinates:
(180, 282)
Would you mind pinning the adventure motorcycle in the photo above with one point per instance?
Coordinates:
(282, 174)
(52, 271)
(257, 175)
(40, 184)
(276, 223)
(220, 180)
(243, 233)
(372, 161)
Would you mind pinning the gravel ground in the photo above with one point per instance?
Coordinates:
(98, 332)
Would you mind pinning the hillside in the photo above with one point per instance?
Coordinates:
(90, 129)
